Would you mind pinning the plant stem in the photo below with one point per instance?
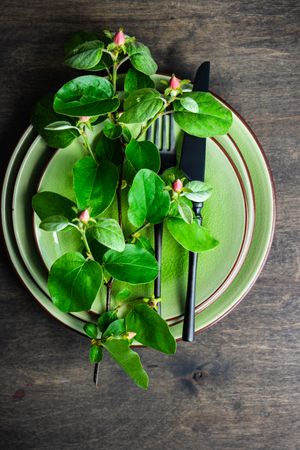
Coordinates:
(86, 144)
(107, 308)
(114, 77)
(160, 113)
(167, 112)
(147, 125)
(119, 188)
(119, 203)
(107, 68)
(106, 51)
(108, 294)
(139, 230)
(108, 71)
(121, 62)
(119, 192)
(83, 236)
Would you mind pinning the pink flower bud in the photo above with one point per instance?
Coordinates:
(84, 118)
(84, 216)
(131, 334)
(174, 82)
(119, 38)
(177, 185)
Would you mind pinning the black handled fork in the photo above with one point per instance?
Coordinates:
(162, 134)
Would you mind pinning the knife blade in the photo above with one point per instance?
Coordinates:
(192, 163)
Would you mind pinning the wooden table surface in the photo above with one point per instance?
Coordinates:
(248, 394)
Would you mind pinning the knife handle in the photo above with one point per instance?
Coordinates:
(188, 332)
(158, 233)
(96, 376)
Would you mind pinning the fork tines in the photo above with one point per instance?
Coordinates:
(162, 134)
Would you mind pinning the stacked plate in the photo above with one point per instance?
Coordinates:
(240, 214)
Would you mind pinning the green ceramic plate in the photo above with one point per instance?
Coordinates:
(243, 163)
(58, 177)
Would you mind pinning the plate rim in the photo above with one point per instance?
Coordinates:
(273, 222)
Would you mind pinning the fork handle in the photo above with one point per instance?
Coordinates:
(188, 333)
(158, 233)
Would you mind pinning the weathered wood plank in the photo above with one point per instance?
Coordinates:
(237, 386)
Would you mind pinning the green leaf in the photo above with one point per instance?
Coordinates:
(115, 328)
(126, 134)
(47, 204)
(108, 232)
(141, 106)
(61, 125)
(173, 211)
(192, 237)
(106, 319)
(198, 191)
(211, 119)
(54, 223)
(74, 282)
(108, 34)
(106, 149)
(95, 120)
(96, 354)
(112, 130)
(135, 80)
(81, 37)
(91, 330)
(44, 114)
(143, 154)
(151, 329)
(105, 63)
(140, 57)
(94, 185)
(88, 95)
(128, 172)
(145, 243)
(134, 265)
(185, 212)
(189, 104)
(78, 38)
(147, 199)
(98, 250)
(85, 56)
(123, 294)
(129, 360)
(171, 174)
(111, 47)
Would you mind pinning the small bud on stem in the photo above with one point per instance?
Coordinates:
(84, 118)
(174, 82)
(119, 38)
(177, 186)
(84, 216)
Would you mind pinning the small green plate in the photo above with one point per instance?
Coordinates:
(214, 269)
(234, 161)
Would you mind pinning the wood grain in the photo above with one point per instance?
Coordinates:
(237, 386)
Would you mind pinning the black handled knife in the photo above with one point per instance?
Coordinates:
(192, 163)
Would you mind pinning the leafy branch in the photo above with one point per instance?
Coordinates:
(120, 172)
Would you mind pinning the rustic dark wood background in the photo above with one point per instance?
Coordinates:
(248, 394)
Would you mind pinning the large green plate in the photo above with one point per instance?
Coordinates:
(7, 228)
(235, 162)
(214, 275)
